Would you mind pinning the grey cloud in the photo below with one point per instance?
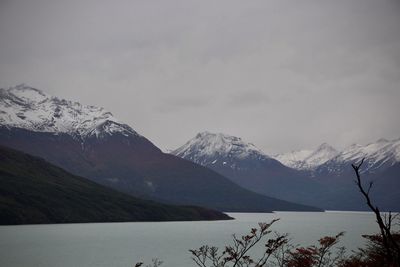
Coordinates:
(282, 74)
(248, 99)
(179, 104)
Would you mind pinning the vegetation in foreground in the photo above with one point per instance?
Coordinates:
(381, 250)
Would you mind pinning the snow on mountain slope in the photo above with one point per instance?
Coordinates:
(210, 148)
(321, 155)
(307, 159)
(379, 155)
(293, 159)
(29, 108)
(325, 159)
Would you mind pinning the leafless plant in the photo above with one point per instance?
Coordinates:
(154, 263)
(385, 221)
(237, 254)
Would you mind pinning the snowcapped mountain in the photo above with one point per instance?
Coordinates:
(88, 141)
(28, 108)
(307, 159)
(218, 149)
(378, 156)
(322, 177)
(248, 166)
(327, 160)
(293, 159)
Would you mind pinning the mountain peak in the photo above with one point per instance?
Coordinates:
(379, 154)
(27, 93)
(325, 146)
(382, 140)
(24, 93)
(207, 147)
(29, 108)
(326, 158)
(324, 152)
(308, 159)
(222, 136)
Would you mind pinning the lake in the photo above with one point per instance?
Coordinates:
(123, 244)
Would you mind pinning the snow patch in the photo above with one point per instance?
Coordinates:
(307, 159)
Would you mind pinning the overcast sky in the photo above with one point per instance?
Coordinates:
(283, 75)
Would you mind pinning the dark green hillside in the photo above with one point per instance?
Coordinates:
(35, 191)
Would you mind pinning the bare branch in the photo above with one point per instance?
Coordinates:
(236, 254)
(391, 246)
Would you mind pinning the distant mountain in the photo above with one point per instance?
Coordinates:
(381, 166)
(322, 177)
(34, 191)
(209, 149)
(249, 167)
(386, 187)
(88, 141)
(379, 156)
(307, 159)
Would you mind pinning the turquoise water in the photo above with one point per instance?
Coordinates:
(123, 244)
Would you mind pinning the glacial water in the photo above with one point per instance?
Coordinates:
(123, 244)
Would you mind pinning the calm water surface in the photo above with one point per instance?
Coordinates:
(123, 244)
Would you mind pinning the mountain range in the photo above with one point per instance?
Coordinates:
(212, 170)
(378, 156)
(322, 176)
(90, 142)
(307, 159)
